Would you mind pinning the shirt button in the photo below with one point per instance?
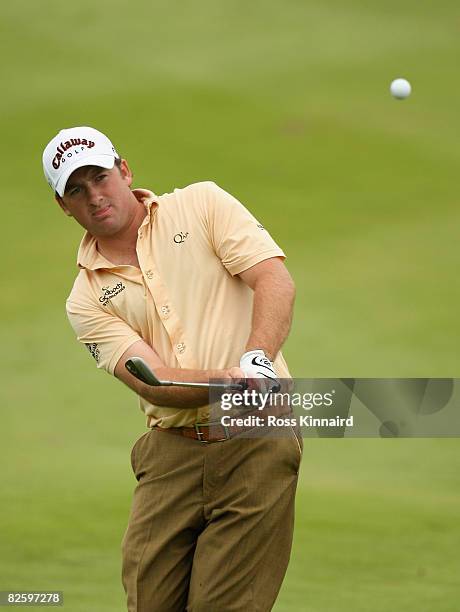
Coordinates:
(165, 310)
(149, 274)
(180, 347)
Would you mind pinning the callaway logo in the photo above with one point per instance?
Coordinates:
(111, 293)
(68, 144)
(180, 237)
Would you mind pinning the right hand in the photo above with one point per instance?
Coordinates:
(235, 375)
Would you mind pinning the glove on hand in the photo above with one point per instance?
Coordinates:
(255, 364)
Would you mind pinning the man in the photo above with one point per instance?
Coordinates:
(194, 285)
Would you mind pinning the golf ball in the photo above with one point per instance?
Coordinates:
(400, 89)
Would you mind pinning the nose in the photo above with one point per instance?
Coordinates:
(94, 195)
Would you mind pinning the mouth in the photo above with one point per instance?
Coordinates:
(102, 212)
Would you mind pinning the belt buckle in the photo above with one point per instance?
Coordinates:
(200, 433)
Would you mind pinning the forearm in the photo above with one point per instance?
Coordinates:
(272, 314)
(180, 397)
(175, 397)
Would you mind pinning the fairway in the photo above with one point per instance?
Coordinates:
(287, 106)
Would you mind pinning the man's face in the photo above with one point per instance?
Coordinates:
(100, 200)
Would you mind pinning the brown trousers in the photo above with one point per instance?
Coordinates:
(210, 528)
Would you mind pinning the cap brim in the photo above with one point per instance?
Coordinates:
(104, 161)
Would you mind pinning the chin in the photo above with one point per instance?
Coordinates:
(104, 231)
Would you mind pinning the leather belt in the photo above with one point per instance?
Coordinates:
(216, 432)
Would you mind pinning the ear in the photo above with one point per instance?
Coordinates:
(126, 172)
(60, 201)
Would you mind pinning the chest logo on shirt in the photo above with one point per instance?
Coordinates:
(111, 293)
(180, 237)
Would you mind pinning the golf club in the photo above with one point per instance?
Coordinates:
(139, 368)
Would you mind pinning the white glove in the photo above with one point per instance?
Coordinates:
(255, 364)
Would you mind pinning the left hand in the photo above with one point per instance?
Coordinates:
(255, 364)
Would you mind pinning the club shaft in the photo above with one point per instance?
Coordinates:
(169, 383)
(141, 370)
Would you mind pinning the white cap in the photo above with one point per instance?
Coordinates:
(74, 148)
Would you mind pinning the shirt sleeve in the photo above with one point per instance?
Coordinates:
(238, 238)
(106, 336)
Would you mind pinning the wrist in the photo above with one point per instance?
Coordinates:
(256, 363)
(258, 351)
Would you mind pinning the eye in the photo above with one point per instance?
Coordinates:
(100, 177)
(74, 191)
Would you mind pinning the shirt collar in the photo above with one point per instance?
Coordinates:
(89, 257)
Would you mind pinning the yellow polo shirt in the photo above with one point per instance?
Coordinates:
(185, 300)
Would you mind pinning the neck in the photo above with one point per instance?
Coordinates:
(120, 248)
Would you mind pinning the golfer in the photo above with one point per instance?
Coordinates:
(191, 282)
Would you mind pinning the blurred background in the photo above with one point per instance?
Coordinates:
(287, 106)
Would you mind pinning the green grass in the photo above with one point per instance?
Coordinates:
(377, 529)
(286, 106)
